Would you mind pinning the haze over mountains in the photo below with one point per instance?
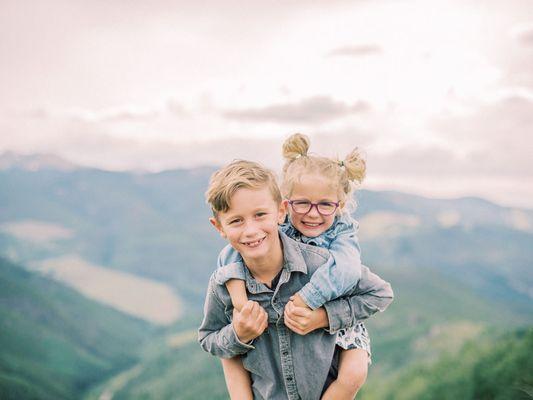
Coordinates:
(460, 265)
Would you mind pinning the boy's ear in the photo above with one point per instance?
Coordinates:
(217, 226)
(282, 212)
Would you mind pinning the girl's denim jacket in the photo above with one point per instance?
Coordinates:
(328, 282)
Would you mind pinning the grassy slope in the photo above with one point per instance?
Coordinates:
(55, 343)
(172, 367)
(494, 366)
(411, 330)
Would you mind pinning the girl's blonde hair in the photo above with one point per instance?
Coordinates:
(345, 174)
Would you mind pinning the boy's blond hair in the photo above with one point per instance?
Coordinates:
(237, 175)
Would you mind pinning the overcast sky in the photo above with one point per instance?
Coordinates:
(439, 94)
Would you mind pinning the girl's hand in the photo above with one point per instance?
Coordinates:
(304, 320)
(298, 302)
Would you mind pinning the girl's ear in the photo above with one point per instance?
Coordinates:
(218, 227)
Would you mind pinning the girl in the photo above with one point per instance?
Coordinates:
(317, 191)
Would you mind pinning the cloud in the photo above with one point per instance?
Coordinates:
(523, 34)
(495, 139)
(311, 110)
(124, 113)
(355, 51)
(115, 114)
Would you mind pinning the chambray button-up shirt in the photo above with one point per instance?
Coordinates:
(283, 364)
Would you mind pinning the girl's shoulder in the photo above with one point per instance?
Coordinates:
(344, 223)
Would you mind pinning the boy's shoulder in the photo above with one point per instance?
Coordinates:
(228, 255)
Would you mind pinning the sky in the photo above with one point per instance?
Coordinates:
(438, 94)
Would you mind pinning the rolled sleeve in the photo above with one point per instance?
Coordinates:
(339, 315)
(372, 294)
(216, 333)
(231, 271)
(312, 296)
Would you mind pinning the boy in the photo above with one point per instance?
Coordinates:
(247, 208)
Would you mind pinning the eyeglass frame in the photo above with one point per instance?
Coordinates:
(337, 203)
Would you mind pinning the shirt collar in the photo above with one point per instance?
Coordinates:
(293, 259)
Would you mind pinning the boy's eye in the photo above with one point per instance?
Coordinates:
(234, 221)
(260, 214)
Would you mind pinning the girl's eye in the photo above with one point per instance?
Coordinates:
(260, 214)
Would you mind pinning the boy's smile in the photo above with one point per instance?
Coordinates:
(314, 188)
(251, 225)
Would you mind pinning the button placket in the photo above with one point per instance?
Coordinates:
(287, 367)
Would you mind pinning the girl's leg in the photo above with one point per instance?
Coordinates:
(237, 379)
(353, 369)
(237, 292)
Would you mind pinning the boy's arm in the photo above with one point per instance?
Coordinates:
(372, 294)
(237, 379)
(216, 333)
(339, 276)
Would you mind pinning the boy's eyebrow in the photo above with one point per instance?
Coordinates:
(227, 217)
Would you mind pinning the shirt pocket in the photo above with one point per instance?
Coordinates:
(253, 360)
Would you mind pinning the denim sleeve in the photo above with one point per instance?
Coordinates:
(229, 266)
(336, 279)
(372, 294)
(216, 334)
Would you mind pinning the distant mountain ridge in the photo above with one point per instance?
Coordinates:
(35, 162)
(155, 225)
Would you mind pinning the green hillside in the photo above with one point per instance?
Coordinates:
(453, 282)
(414, 329)
(55, 343)
(494, 366)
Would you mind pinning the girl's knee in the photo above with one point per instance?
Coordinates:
(353, 378)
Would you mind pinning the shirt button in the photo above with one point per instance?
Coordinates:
(285, 353)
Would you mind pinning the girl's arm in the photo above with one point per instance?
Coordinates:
(333, 280)
(372, 294)
(237, 379)
(231, 272)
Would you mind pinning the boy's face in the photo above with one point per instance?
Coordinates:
(251, 223)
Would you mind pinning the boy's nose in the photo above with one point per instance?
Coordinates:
(250, 228)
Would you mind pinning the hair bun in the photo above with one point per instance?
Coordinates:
(355, 165)
(295, 146)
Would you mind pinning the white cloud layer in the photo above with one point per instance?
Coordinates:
(435, 92)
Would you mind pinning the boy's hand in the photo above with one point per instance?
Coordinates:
(250, 322)
(304, 320)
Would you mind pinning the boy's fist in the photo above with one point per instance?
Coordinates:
(250, 322)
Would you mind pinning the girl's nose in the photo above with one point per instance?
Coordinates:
(313, 212)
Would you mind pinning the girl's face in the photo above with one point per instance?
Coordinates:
(316, 189)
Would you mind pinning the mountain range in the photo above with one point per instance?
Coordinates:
(456, 265)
